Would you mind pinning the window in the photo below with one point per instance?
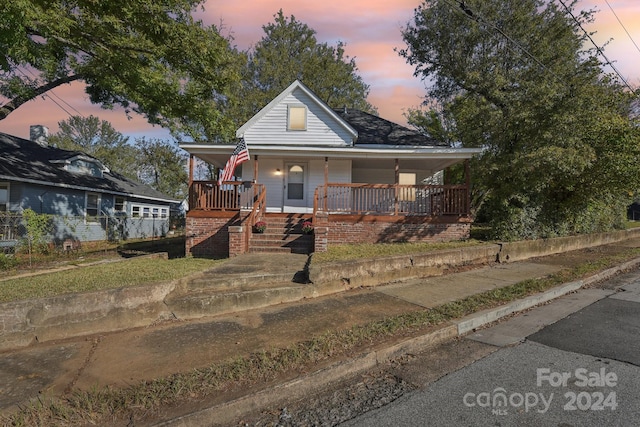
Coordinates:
(118, 204)
(295, 183)
(297, 119)
(155, 212)
(407, 194)
(163, 213)
(146, 212)
(135, 211)
(92, 208)
(4, 197)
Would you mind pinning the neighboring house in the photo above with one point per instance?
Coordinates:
(87, 201)
(355, 176)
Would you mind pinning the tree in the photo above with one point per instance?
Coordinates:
(515, 78)
(99, 139)
(147, 56)
(163, 167)
(288, 51)
(157, 163)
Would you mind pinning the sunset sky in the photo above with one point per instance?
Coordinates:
(371, 30)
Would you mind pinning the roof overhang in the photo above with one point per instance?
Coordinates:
(433, 158)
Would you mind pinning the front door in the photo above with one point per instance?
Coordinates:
(295, 186)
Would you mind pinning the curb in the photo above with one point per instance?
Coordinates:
(231, 411)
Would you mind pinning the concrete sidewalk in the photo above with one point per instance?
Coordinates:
(123, 358)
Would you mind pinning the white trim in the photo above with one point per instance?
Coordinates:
(98, 207)
(278, 99)
(357, 152)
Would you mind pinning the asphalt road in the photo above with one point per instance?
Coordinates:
(573, 362)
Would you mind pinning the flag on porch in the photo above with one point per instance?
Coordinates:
(239, 155)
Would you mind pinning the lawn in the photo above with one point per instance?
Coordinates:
(109, 275)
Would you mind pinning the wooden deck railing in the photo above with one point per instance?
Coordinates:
(381, 199)
(355, 199)
(231, 196)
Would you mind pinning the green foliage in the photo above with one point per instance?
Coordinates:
(287, 52)
(38, 227)
(157, 163)
(7, 262)
(561, 151)
(163, 166)
(147, 56)
(99, 139)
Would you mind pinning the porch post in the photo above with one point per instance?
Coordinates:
(326, 171)
(255, 168)
(255, 179)
(467, 181)
(190, 170)
(397, 178)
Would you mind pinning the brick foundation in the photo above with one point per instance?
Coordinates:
(393, 230)
(208, 236)
(221, 234)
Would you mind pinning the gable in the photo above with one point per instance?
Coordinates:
(297, 118)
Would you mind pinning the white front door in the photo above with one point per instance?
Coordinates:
(295, 185)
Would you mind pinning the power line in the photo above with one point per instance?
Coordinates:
(622, 25)
(473, 16)
(57, 96)
(600, 51)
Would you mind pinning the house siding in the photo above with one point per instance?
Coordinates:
(322, 128)
(67, 207)
(339, 171)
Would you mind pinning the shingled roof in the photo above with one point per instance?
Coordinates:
(376, 130)
(27, 161)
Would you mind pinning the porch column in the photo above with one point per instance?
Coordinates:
(255, 180)
(467, 181)
(255, 168)
(190, 170)
(326, 171)
(397, 178)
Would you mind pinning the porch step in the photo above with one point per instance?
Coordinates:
(281, 242)
(283, 234)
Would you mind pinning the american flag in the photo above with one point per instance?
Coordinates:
(239, 155)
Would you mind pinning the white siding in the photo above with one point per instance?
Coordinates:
(322, 129)
(339, 171)
(386, 176)
(374, 176)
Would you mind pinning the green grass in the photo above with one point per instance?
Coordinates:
(373, 250)
(132, 272)
(102, 406)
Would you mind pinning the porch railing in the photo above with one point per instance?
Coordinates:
(231, 196)
(382, 199)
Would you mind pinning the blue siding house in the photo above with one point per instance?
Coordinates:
(86, 200)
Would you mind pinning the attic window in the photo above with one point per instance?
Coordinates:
(297, 119)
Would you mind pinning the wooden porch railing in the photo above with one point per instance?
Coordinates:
(382, 199)
(231, 196)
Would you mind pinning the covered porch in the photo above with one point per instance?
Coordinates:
(221, 219)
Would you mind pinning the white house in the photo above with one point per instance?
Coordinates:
(355, 176)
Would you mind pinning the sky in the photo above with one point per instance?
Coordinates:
(371, 30)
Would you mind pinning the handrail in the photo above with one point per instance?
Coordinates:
(257, 211)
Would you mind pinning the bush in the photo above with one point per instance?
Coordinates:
(7, 262)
